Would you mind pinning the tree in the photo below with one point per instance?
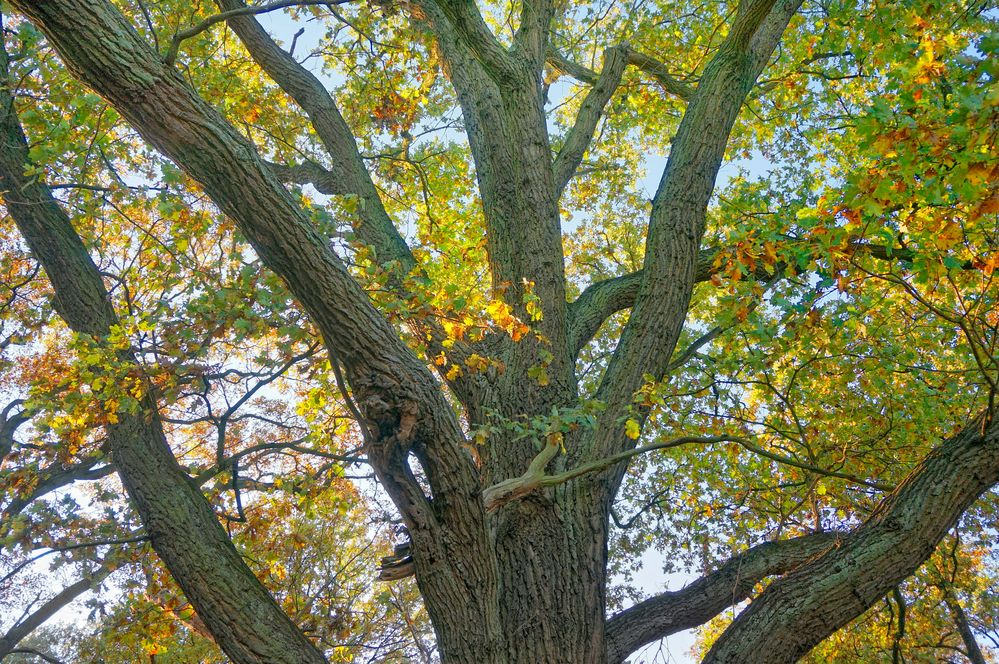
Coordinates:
(811, 353)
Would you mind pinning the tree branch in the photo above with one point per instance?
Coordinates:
(349, 174)
(405, 409)
(678, 217)
(672, 612)
(56, 477)
(171, 54)
(797, 612)
(467, 22)
(22, 629)
(579, 137)
(309, 172)
(531, 38)
(602, 299)
(646, 63)
(179, 520)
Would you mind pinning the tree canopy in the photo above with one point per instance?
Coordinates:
(490, 300)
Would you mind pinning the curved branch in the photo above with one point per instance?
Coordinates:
(404, 407)
(53, 478)
(645, 63)
(794, 614)
(470, 27)
(349, 174)
(181, 523)
(602, 299)
(678, 216)
(672, 612)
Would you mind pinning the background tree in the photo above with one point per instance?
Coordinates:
(425, 248)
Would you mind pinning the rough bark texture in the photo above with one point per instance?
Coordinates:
(705, 598)
(247, 622)
(797, 612)
(524, 581)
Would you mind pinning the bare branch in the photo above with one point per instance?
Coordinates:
(646, 63)
(309, 172)
(679, 213)
(467, 22)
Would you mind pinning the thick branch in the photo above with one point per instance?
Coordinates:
(349, 173)
(472, 30)
(799, 611)
(531, 39)
(579, 137)
(403, 405)
(602, 299)
(672, 612)
(679, 212)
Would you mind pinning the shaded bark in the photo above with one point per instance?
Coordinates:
(699, 602)
(404, 407)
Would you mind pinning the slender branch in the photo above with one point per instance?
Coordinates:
(972, 649)
(23, 628)
(70, 547)
(171, 54)
(309, 172)
(579, 137)
(534, 478)
(646, 63)
(51, 479)
(37, 653)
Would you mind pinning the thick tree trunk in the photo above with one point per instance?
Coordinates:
(552, 564)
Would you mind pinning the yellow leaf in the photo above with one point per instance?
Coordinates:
(632, 429)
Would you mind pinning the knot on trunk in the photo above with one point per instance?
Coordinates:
(390, 412)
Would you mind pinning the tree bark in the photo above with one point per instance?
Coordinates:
(524, 582)
(797, 612)
(248, 624)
